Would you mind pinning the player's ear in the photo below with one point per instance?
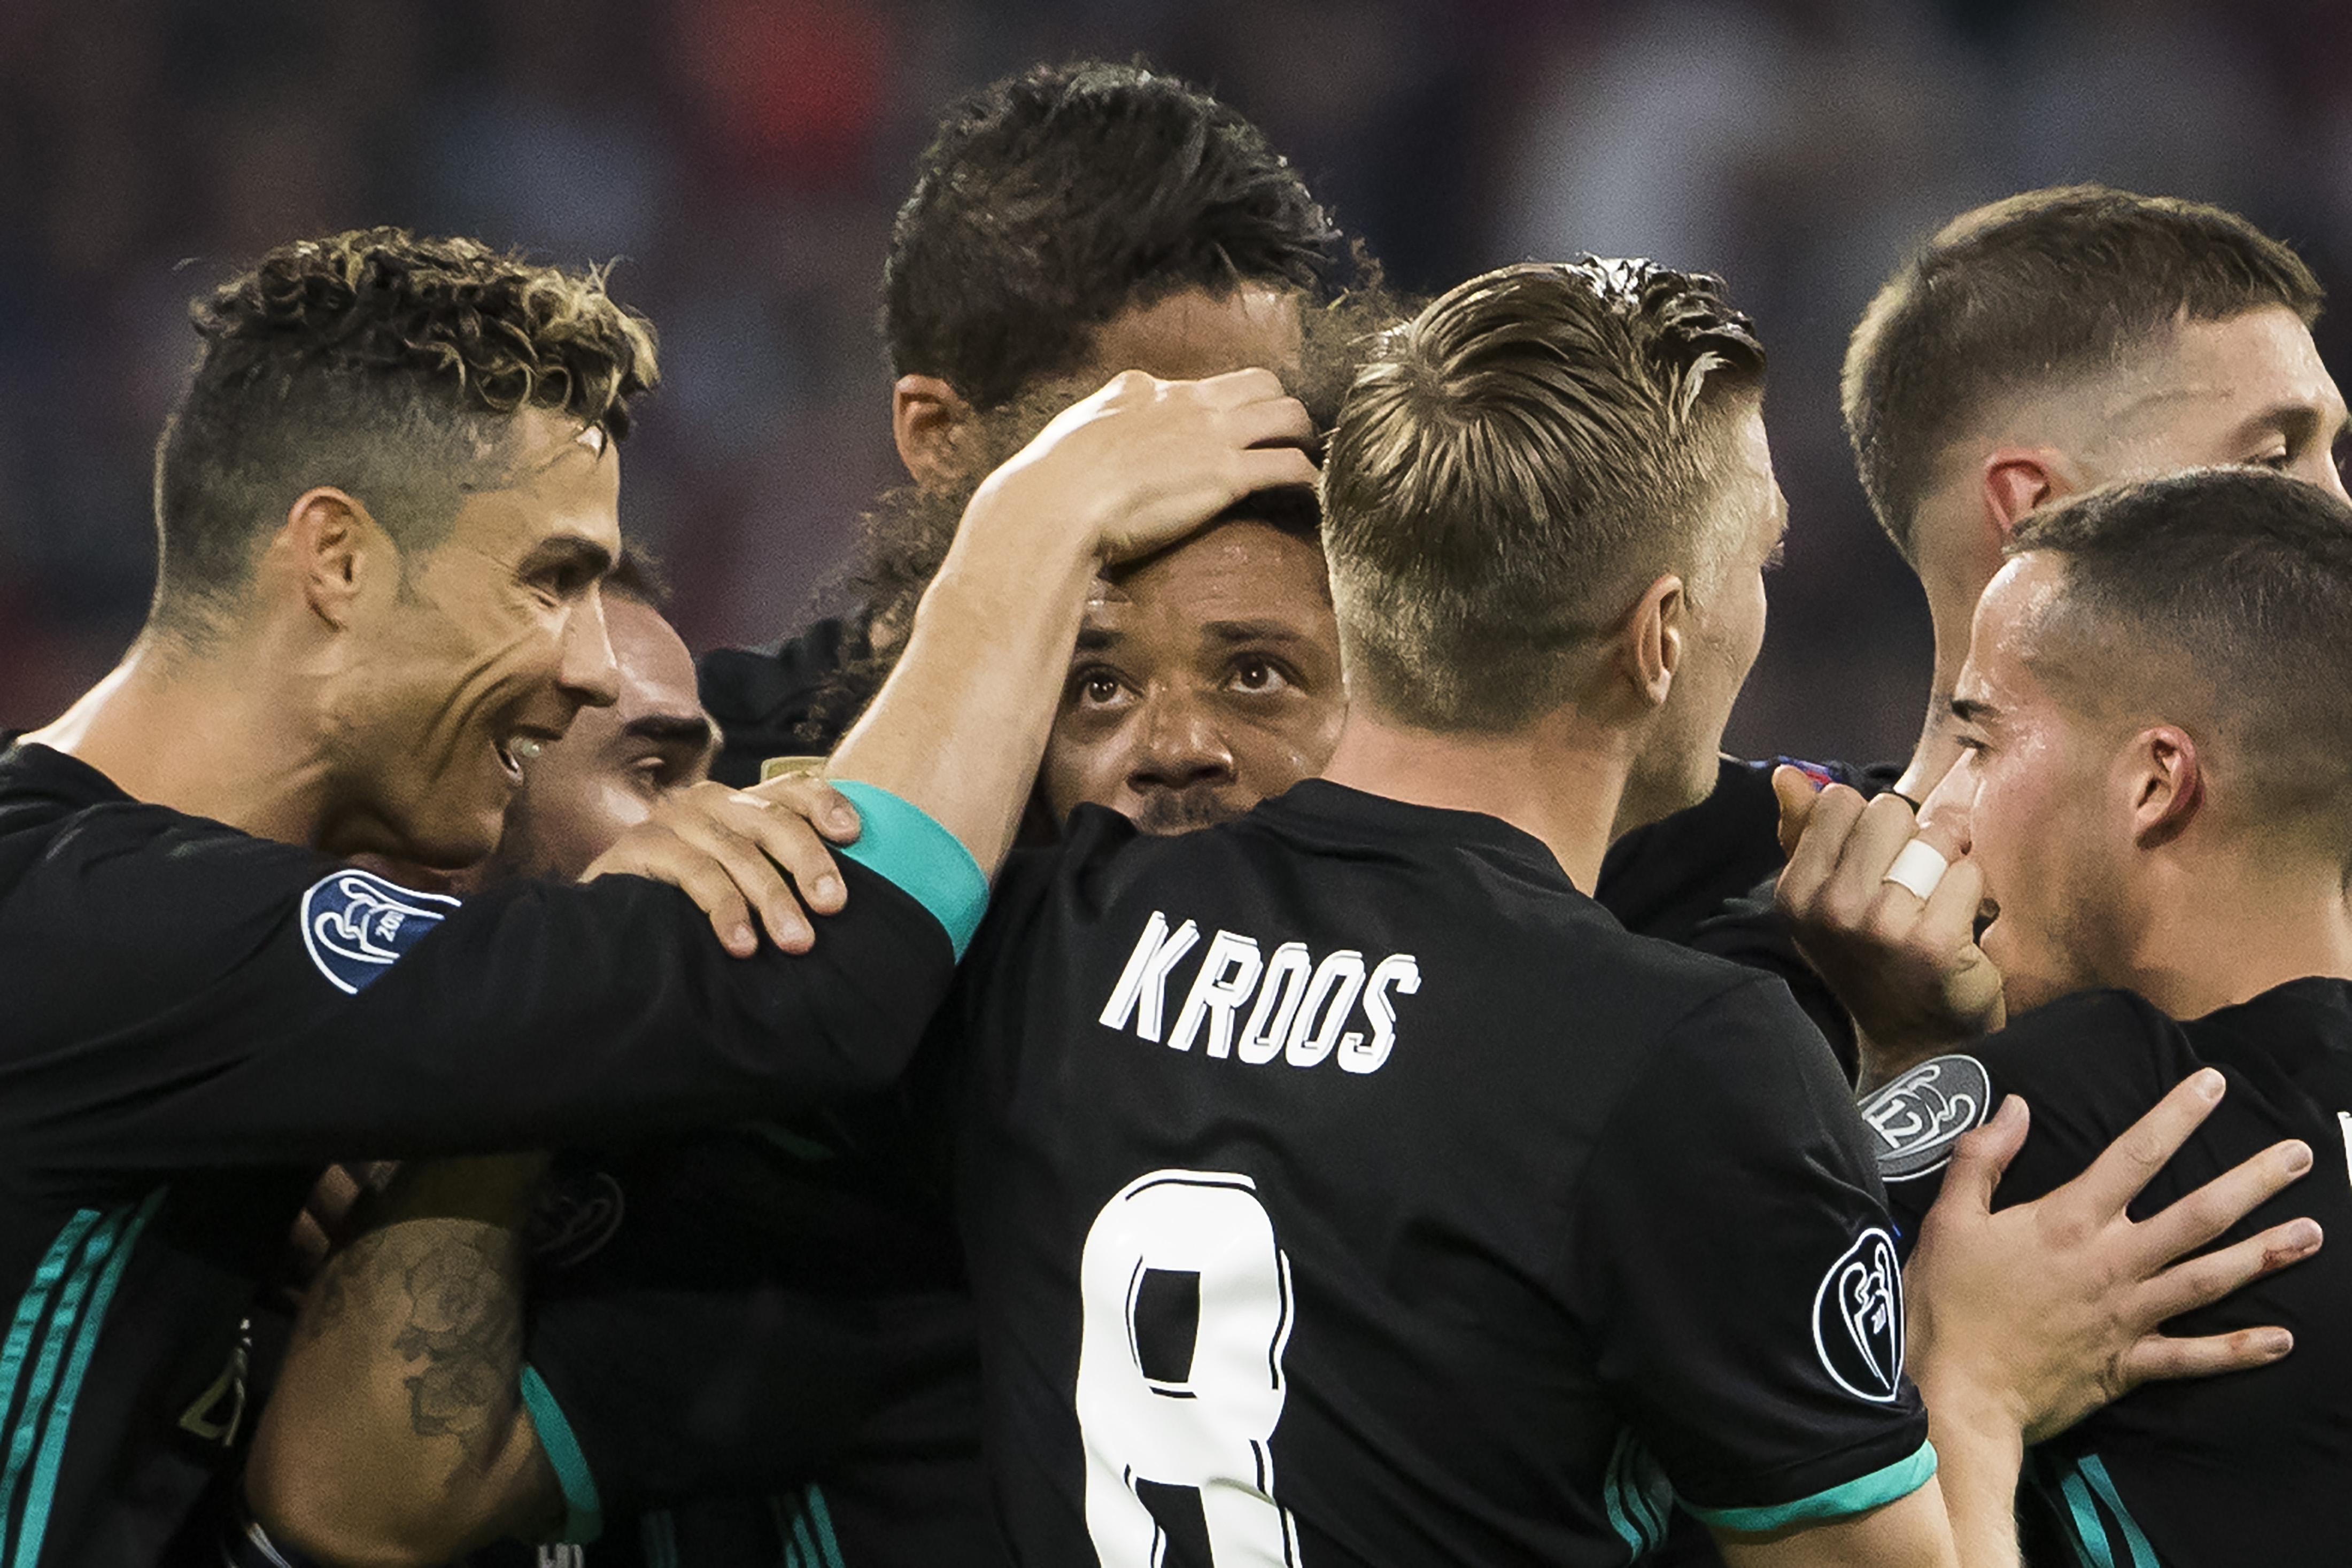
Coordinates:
(1649, 643)
(335, 549)
(2167, 785)
(2018, 479)
(927, 418)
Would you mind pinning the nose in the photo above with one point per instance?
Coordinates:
(2328, 477)
(1944, 815)
(1179, 744)
(588, 672)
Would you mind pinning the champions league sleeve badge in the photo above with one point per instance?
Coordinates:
(356, 924)
(1916, 1119)
(1858, 1319)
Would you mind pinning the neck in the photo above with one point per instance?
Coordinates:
(2220, 937)
(1554, 778)
(228, 733)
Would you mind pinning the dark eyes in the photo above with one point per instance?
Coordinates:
(1257, 675)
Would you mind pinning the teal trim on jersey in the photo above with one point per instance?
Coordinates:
(2090, 1529)
(925, 860)
(1879, 1487)
(53, 1441)
(34, 1305)
(55, 1339)
(2094, 1542)
(2143, 1554)
(583, 1510)
(658, 1532)
(822, 1518)
(1639, 1497)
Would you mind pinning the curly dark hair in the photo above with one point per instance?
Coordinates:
(387, 365)
(1050, 201)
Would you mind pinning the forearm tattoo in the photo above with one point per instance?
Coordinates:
(450, 1293)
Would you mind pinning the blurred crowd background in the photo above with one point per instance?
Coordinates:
(742, 160)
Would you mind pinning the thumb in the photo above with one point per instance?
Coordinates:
(1982, 1159)
(1796, 793)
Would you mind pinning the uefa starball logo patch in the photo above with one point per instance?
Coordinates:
(1858, 1318)
(1921, 1116)
(356, 925)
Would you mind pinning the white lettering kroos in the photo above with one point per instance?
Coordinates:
(1297, 1008)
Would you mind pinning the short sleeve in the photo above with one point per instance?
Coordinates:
(1731, 1258)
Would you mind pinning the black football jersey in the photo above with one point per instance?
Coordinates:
(793, 698)
(2249, 1467)
(1340, 1185)
(196, 1020)
(766, 1314)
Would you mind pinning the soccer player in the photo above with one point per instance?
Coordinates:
(386, 504)
(2038, 345)
(683, 1292)
(1340, 1184)
(1066, 224)
(1141, 1328)
(581, 793)
(2152, 789)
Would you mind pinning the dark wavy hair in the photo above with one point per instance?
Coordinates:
(386, 365)
(1050, 201)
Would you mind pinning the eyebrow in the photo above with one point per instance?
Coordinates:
(1231, 632)
(1969, 710)
(667, 728)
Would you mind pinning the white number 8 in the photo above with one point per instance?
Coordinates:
(1209, 1431)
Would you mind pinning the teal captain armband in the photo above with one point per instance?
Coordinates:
(583, 1510)
(920, 858)
(1860, 1495)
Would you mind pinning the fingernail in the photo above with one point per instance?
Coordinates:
(2304, 1235)
(2298, 1159)
(741, 937)
(2209, 1084)
(2273, 1342)
(828, 886)
(843, 818)
(2011, 1108)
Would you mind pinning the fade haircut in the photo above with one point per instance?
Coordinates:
(387, 366)
(2229, 588)
(1050, 201)
(1524, 457)
(2031, 292)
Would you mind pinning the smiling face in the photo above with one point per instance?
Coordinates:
(2033, 796)
(492, 639)
(2249, 389)
(582, 792)
(1204, 680)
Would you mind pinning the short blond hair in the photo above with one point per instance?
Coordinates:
(1522, 457)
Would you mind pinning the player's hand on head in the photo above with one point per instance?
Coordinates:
(740, 855)
(1904, 963)
(1141, 462)
(2042, 1313)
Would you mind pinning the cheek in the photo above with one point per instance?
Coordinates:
(1079, 766)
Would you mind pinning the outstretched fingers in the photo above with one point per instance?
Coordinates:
(2131, 1161)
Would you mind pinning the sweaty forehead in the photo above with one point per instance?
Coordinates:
(1235, 570)
(2208, 378)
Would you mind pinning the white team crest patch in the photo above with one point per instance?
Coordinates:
(1918, 1118)
(355, 925)
(1858, 1318)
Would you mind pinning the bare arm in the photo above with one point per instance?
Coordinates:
(396, 1433)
